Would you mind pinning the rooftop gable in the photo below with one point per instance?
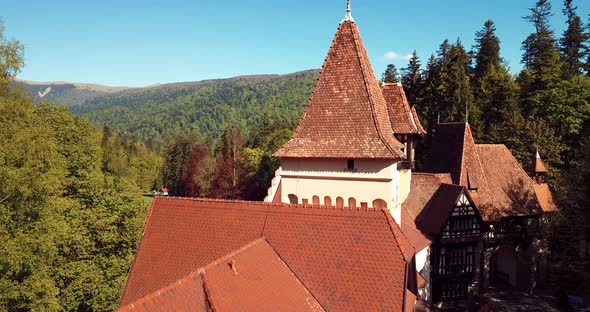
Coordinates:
(439, 209)
(404, 120)
(512, 193)
(346, 115)
(349, 260)
(453, 151)
(422, 188)
(253, 278)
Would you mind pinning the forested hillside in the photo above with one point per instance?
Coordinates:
(208, 107)
(65, 93)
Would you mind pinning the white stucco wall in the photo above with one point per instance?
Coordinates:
(423, 267)
(371, 179)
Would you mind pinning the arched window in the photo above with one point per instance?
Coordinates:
(293, 199)
(327, 201)
(379, 203)
(351, 202)
(315, 200)
(339, 202)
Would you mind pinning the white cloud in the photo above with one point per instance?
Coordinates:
(392, 55)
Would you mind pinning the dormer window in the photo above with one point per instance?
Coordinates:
(350, 164)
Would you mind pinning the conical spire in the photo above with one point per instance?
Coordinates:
(538, 166)
(348, 16)
(346, 116)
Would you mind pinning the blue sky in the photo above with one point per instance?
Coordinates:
(137, 43)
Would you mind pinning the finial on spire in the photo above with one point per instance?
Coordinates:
(348, 17)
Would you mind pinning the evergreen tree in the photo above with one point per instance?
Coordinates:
(412, 79)
(487, 49)
(541, 54)
(176, 156)
(458, 102)
(573, 44)
(494, 89)
(390, 75)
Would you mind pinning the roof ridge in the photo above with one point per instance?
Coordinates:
(161, 291)
(198, 272)
(393, 224)
(296, 277)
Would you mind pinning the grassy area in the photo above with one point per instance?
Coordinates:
(148, 198)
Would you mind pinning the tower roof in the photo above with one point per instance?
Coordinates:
(404, 120)
(537, 166)
(346, 115)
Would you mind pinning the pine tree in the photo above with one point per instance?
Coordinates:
(541, 54)
(458, 102)
(412, 79)
(390, 75)
(487, 49)
(494, 89)
(573, 44)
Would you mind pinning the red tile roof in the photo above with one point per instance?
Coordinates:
(453, 151)
(186, 294)
(545, 199)
(503, 188)
(349, 260)
(422, 188)
(436, 213)
(510, 190)
(346, 116)
(254, 278)
(404, 120)
(416, 238)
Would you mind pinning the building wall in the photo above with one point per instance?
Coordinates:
(405, 178)
(370, 179)
(423, 267)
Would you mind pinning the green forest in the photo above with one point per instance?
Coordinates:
(72, 174)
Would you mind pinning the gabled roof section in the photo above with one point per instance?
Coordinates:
(254, 278)
(186, 294)
(348, 260)
(404, 120)
(545, 198)
(439, 208)
(422, 188)
(510, 190)
(453, 151)
(416, 238)
(346, 115)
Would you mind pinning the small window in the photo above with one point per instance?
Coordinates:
(350, 164)
(293, 199)
(352, 202)
(327, 201)
(315, 200)
(379, 204)
(305, 201)
(339, 202)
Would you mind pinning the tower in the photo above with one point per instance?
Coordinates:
(344, 152)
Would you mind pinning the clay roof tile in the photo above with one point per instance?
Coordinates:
(346, 115)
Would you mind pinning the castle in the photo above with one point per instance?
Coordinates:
(347, 224)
